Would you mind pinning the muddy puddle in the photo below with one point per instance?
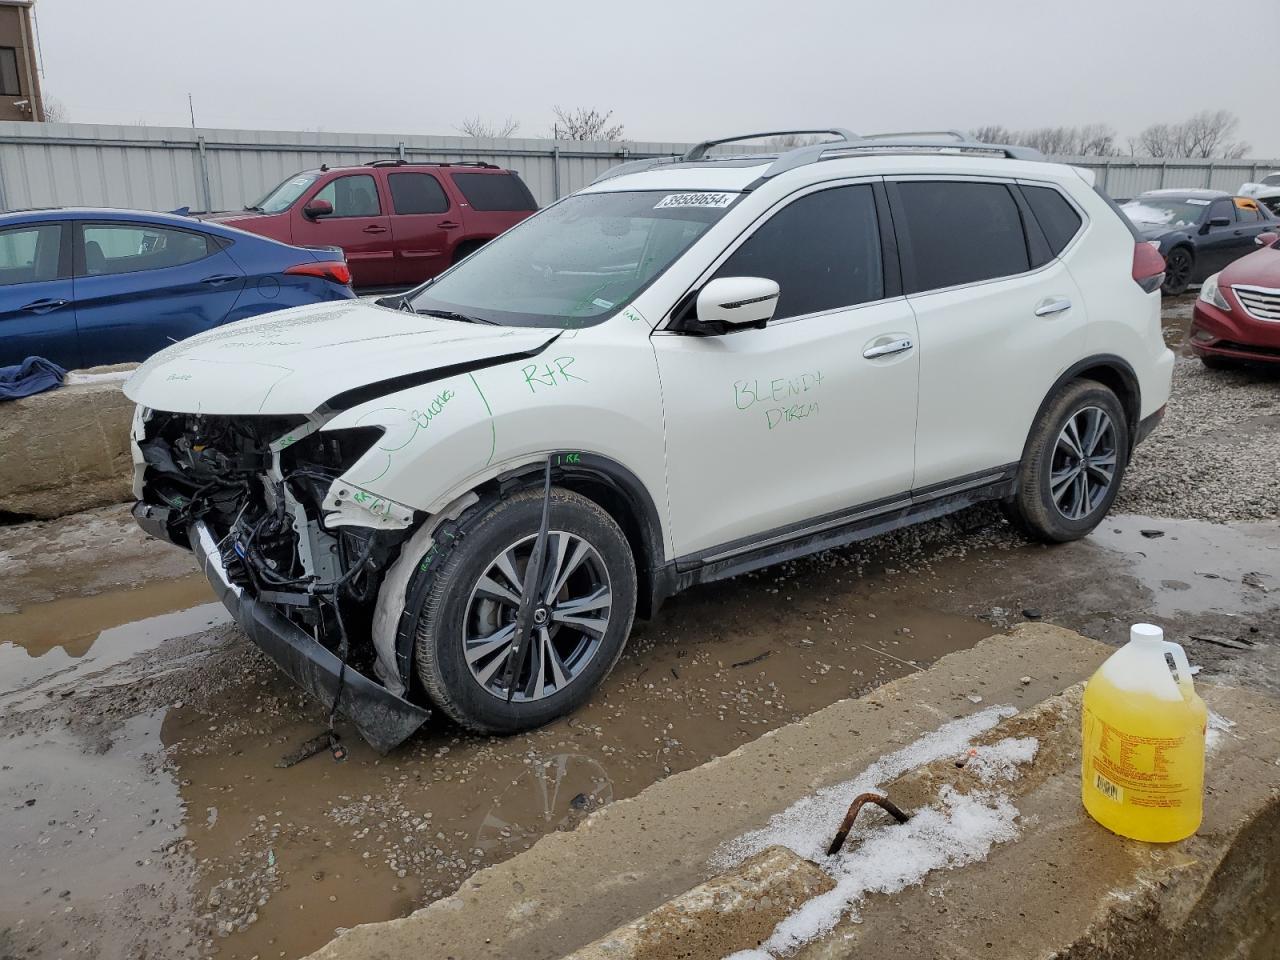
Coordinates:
(162, 823)
(74, 634)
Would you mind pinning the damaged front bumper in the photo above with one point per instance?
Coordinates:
(382, 718)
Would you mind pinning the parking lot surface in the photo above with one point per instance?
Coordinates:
(147, 812)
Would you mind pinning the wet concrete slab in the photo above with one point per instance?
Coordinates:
(189, 722)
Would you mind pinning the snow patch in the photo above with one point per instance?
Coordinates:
(1000, 761)
(962, 829)
(959, 829)
(1214, 730)
(806, 826)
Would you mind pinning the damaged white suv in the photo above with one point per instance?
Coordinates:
(461, 497)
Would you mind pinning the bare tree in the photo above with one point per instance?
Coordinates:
(1207, 134)
(1090, 140)
(476, 127)
(55, 111)
(584, 123)
(993, 133)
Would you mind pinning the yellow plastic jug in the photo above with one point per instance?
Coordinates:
(1143, 741)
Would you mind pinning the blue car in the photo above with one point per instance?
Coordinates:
(84, 287)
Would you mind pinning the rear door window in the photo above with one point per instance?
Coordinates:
(416, 193)
(961, 232)
(111, 248)
(30, 254)
(490, 191)
(352, 196)
(1247, 211)
(822, 249)
(1056, 216)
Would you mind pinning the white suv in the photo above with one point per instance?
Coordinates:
(693, 368)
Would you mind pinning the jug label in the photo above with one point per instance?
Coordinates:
(1137, 770)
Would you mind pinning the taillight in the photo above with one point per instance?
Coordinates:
(1148, 266)
(335, 271)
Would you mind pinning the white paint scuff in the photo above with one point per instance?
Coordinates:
(959, 829)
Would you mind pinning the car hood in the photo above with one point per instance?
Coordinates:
(1259, 269)
(1154, 231)
(234, 219)
(293, 361)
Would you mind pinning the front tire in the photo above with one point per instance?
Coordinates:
(1179, 267)
(1073, 464)
(466, 618)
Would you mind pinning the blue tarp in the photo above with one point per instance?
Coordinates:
(32, 375)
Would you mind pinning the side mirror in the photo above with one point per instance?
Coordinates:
(1266, 239)
(735, 303)
(317, 209)
(1219, 221)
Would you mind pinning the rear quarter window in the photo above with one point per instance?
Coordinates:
(489, 191)
(1057, 217)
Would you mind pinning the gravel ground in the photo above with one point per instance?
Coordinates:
(1216, 456)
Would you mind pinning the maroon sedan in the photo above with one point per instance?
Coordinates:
(1237, 316)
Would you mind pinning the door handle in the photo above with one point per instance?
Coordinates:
(218, 279)
(44, 306)
(374, 228)
(1047, 308)
(900, 345)
(448, 225)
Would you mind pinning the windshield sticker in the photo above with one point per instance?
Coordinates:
(602, 304)
(694, 200)
(1198, 203)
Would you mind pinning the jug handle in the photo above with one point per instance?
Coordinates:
(1182, 666)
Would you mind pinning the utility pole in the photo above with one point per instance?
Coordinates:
(192, 108)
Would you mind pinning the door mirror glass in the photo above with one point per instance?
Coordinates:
(735, 303)
(317, 209)
(1266, 239)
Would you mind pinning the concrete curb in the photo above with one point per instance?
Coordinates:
(632, 856)
(731, 912)
(65, 450)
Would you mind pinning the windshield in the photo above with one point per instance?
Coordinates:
(282, 197)
(1166, 211)
(1272, 180)
(577, 261)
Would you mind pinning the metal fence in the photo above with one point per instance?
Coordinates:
(163, 168)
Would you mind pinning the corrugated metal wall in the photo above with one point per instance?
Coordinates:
(162, 168)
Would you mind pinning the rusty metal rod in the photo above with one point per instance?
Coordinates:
(861, 800)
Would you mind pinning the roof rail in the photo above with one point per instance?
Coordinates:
(398, 162)
(848, 143)
(699, 151)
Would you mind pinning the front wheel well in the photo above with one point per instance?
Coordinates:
(620, 494)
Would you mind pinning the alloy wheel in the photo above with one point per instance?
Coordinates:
(567, 628)
(1084, 463)
(1178, 269)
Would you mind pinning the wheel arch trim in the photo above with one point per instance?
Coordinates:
(1130, 398)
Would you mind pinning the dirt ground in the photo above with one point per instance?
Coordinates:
(144, 813)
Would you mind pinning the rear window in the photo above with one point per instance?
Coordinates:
(417, 193)
(962, 232)
(489, 191)
(1057, 218)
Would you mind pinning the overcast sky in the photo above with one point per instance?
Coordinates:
(669, 70)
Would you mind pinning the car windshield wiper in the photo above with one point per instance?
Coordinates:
(450, 315)
(253, 209)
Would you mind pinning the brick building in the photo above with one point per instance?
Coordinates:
(19, 78)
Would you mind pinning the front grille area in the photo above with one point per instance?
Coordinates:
(1261, 303)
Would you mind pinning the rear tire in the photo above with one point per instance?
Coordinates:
(1179, 267)
(471, 599)
(1073, 464)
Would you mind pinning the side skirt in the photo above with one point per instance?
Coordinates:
(834, 530)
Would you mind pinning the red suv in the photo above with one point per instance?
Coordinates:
(398, 223)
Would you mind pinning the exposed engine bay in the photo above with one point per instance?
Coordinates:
(259, 486)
